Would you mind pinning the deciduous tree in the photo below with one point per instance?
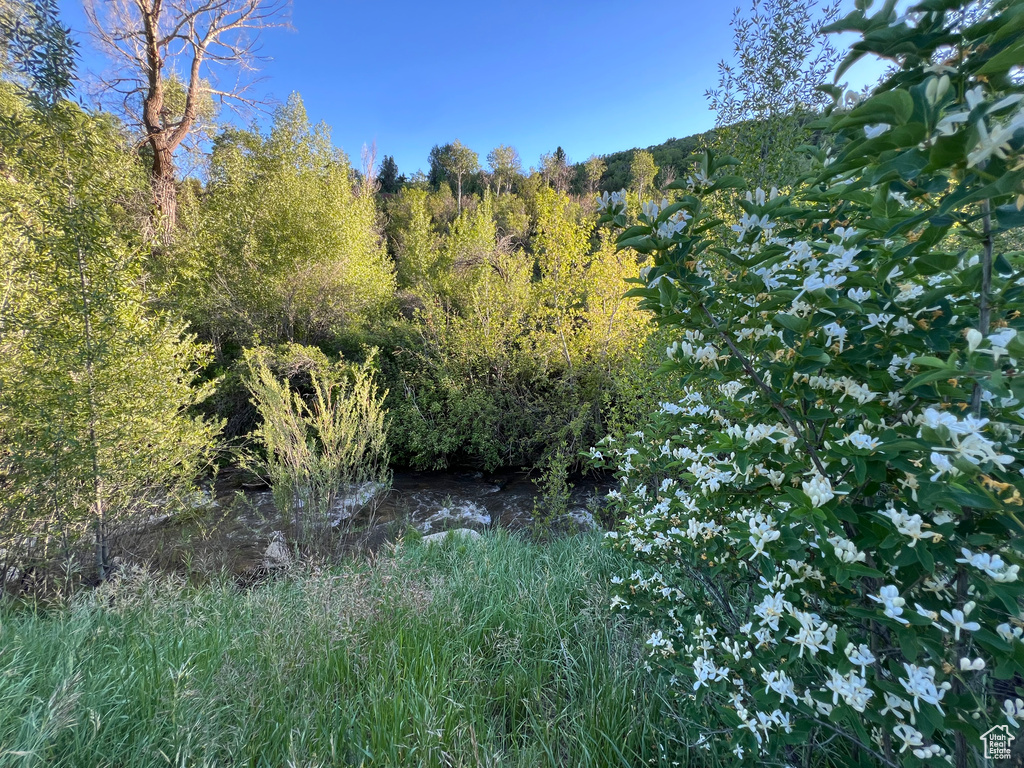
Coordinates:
(642, 171)
(95, 387)
(148, 41)
(505, 166)
(765, 97)
(458, 161)
(592, 171)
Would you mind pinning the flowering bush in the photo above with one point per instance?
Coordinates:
(829, 520)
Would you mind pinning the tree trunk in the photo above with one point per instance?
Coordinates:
(164, 186)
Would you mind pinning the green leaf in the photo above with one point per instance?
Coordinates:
(1009, 217)
(891, 107)
(642, 244)
(929, 376)
(1012, 56)
(728, 182)
(634, 231)
(792, 323)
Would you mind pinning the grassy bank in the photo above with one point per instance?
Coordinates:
(498, 652)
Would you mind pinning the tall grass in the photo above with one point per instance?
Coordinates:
(487, 653)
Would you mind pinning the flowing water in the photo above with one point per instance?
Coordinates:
(235, 527)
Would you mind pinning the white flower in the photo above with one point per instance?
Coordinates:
(837, 332)
(878, 320)
(908, 525)
(814, 635)
(762, 532)
(771, 609)
(899, 197)
(858, 295)
(902, 325)
(967, 665)
(894, 398)
(1009, 634)
(911, 737)
(650, 209)
(942, 463)
(779, 682)
(994, 565)
(862, 440)
(819, 489)
(612, 202)
(920, 684)
(889, 596)
(851, 687)
(873, 131)
(846, 550)
(958, 620)
(859, 655)
(1003, 337)
(894, 704)
(933, 419)
(996, 143)
(974, 338)
(1014, 708)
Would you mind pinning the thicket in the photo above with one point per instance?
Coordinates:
(133, 350)
(96, 388)
(827, 522)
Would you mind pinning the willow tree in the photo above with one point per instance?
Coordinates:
(285, 248)
(163, 48)
(95, 387)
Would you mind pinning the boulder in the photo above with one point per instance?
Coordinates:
(276, 555)
(456, 533)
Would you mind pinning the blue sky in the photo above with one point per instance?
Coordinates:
(592, 77)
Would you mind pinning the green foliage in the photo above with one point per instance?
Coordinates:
(589, 175)
(828, 520)
(387, 177)
(282, 248)
(452, 162)
(642, 171)
(315, 448)
(38, 48)
(766, 99)
(511, 345)
(505, 167)
(95, 387)
(674, 153)
(414, 242)
(555, 170)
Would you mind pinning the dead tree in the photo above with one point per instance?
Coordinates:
(196, 42)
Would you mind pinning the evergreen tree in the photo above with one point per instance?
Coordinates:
(387, 177)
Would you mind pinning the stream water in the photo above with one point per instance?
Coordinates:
(235, 526)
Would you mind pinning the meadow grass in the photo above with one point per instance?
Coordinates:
(494, 652)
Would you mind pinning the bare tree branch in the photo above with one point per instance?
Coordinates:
(152, 42)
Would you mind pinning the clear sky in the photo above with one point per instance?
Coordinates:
(592, 77)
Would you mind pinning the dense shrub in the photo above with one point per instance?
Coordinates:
(828, 520)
